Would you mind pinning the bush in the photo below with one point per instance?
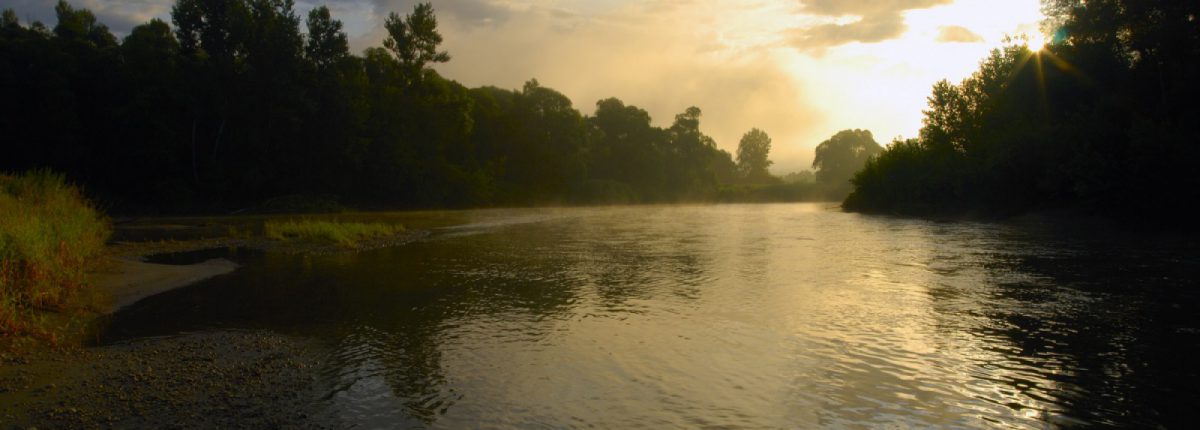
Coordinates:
(49, 234)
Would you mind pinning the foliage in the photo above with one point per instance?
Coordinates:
(838, 157)
(414, 40)
(347, 234)
(49, 234)
(752, 159)
(778, 193)
(800, 177)
(1102, 120)
(326, 43)
(233, 104)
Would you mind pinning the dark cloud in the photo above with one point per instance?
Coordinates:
(957, 34)
(119, 15)
(464, 12)
(33, 10)
(879, 20)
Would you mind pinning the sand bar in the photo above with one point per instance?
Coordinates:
(129, 280)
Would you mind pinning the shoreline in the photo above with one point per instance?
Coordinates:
(128, 280)
(224, 378)
(212, 379)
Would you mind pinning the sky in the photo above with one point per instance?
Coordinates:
(800, 70)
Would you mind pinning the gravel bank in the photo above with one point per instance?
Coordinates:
(220, 379)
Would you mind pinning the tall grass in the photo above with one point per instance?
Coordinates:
(348, 234)
(49, 234)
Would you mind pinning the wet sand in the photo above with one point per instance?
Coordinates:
(128, 280)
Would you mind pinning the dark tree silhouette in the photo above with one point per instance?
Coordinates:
(326, 44)
(414, 40)
(234, 105)
(1102, 120)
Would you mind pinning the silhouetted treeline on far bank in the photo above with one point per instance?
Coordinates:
(1104, 120)
(233, 105)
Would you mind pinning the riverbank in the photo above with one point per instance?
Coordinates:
(216, 379)
(127, 279)
(223, 379)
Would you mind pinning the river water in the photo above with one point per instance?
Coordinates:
(741, 316)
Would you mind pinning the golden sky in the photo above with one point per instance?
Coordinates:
(801, 70)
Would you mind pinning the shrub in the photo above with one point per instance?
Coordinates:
(49, 234)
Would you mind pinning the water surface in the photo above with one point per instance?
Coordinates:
(744, 316)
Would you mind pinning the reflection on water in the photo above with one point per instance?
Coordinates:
(732, 316)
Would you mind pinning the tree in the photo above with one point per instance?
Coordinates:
(326, 44)
(624, 147)
(81, 25)
(752, 154)
(414, 40)
(152, 40)
(800, 177)
(211, 29)
(9, 21)
(546, 160)
(839, 157)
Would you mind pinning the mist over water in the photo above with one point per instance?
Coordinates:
(794, 315)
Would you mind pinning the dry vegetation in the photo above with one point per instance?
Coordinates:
(347, 234)
(49, 236)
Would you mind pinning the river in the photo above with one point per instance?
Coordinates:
(740, 316)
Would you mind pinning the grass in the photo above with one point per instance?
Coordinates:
(49, 235)
(348, 234)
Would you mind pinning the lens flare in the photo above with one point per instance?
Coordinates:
(1035, 41)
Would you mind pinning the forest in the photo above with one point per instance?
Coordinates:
(1103, 120)
(237, 103)
(233, 104)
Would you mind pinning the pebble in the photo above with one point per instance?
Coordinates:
(153, 384)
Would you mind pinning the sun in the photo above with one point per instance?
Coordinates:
(1035, 41)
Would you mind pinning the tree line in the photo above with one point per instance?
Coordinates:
(1102, 120)
(233, 104)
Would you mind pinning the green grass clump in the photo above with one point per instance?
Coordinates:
(49, 235)
(348, 234)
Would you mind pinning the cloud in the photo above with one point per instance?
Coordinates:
(878, 20)
(957, 34)
(867, 7)
(466, 12)
(866, 30)
(119, 16)
(29, 11)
